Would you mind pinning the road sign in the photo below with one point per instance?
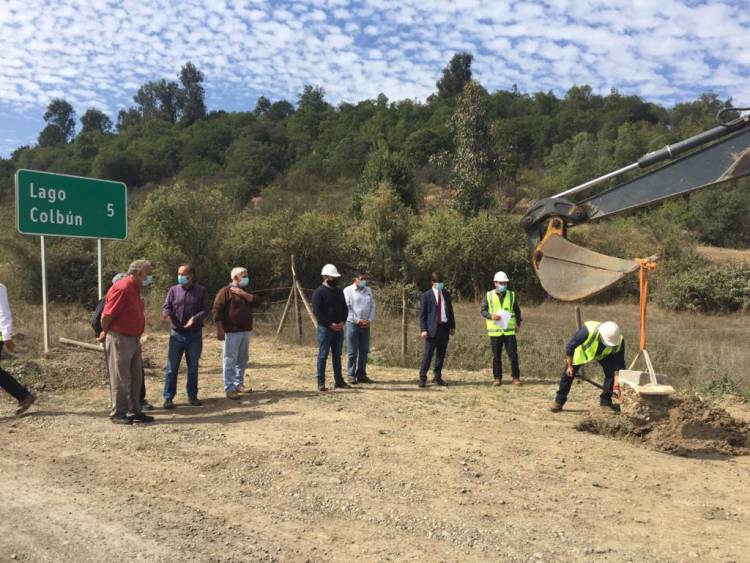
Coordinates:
(70, 206)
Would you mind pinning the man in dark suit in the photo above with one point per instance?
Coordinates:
(437, 324)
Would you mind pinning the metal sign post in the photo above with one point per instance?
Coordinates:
(69, 206)
(99, 265)
(45, 325)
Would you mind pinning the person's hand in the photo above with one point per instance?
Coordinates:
(102, 337)
(190, 322)
(518, 329)
(453, 331)
(220, 335)
(337, 327)
(10, 345)
(424, 334)
(569, 370)
(496, 317)
(364, 323)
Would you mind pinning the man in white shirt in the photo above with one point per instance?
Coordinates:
(361, 305)
(24, 397)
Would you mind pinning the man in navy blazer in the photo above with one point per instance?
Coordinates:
(437, 324)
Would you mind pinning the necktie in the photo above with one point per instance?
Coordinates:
(440, 306)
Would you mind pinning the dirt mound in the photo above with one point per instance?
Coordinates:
(64, 369)
(680, 426)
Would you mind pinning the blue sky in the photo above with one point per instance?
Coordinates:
(95, 53)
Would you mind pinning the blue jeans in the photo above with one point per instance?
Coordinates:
(329, 340)
(236, 352)
(358, 344)
(191, 345)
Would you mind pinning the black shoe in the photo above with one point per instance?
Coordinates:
(423, 383)
(120, 420)
(341, 385)
(322, 388)
(194, 401)
(168, 404)
(141, 418)
(440, 382)
(146, 406)
(365, 379)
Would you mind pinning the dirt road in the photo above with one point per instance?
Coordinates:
(386, 472)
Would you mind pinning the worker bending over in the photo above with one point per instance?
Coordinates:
(602, 342)
(503, 317)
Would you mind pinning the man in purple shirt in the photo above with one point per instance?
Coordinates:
(186, 307)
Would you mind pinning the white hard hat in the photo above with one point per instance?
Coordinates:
(501, 277)
(610, 333)
(330, 270)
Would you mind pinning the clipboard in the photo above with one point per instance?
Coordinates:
(504, 319)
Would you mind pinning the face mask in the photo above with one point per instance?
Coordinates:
(149, 279)
(440, 286)
(244, 282)
(362, 283)
(502, 287)
(182, 280)
(333, 282)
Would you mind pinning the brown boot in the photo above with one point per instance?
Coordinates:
(497, 382)
(610, 409)
(517, 381)
(24, 405)
(555, 407)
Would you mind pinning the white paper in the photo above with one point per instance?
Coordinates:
(504, 319)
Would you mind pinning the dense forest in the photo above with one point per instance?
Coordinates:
(395, 188)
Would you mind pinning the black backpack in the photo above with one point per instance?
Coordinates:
(96, 318)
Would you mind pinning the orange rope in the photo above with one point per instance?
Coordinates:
(646, 265)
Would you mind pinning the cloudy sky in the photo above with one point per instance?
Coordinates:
(95, 53)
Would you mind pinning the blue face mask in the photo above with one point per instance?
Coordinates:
(244, 282)
(182, 280)
(440, 286)
(502, 287)
(362, 283)
(148, 281)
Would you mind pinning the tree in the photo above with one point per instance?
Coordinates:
(384, 230)
(280, 110)
(472, 159)
(61, 124)
(193, 94)
(262, 106)
(127, 118)
(385, 167)
(95, 121)
(160, 99)
(455, 75)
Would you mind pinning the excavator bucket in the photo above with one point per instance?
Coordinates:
(569, 272)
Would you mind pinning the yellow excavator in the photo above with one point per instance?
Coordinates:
(568, 272)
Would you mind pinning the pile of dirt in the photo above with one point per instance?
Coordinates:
(64, 369)
(680, 426)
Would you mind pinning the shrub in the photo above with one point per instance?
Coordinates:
(697, 286)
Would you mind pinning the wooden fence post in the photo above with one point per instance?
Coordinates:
(297, 314)
(404, 325)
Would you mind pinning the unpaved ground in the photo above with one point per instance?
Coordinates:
(379, 473)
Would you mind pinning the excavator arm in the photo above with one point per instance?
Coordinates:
(569, 272)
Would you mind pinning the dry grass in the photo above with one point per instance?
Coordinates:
(723, 255)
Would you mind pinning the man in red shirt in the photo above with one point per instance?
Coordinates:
(123, 322)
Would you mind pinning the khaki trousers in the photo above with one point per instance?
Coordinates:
(125, 373)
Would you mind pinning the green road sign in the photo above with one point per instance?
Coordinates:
(70, 206)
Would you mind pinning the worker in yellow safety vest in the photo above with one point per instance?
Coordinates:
(502, 316)
(598, 341)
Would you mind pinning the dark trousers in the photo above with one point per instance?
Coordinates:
(605, 398)
(9, 383)
(439, 344)
(511, 347)
(333, 342)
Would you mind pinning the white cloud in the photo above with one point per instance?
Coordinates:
(96, 53)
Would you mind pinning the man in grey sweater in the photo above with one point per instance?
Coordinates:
(361, 305)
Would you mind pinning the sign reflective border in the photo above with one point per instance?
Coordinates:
(50, 204)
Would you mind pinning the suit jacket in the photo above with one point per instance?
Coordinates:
(428, 312)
